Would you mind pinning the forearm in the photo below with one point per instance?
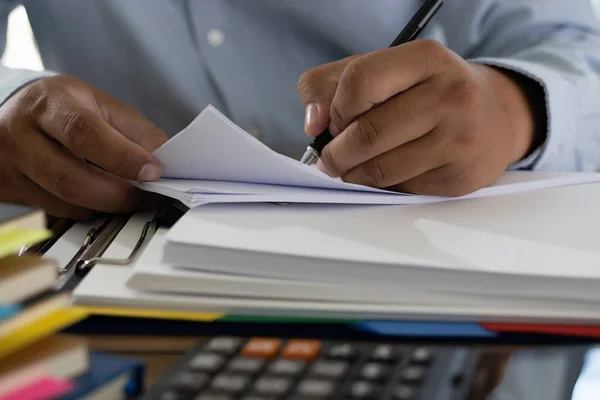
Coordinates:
(552, 48)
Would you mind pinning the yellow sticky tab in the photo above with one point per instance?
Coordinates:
(40, 328)
(150, 313)
(12, 240)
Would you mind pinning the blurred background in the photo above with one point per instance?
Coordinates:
(21, 52)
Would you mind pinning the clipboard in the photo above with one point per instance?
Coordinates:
(95, 239)
(99, 235)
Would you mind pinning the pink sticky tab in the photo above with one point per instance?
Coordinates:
(44, 388)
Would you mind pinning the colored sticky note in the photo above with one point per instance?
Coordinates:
(8, 310)
(42, 388)
(151, 313)
(12, 240)
(570, 330)
(425, 329)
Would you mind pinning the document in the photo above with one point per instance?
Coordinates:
(540, 245)
(215, 161)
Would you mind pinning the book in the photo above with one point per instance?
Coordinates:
(38, 321)
(24, 276)
(15, 216)
(36, 308)
(213, 160)
(57, 356)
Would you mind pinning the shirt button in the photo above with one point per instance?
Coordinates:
(215, 37)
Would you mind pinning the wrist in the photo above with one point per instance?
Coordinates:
(523, 103)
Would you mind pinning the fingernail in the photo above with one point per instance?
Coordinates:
(321, 167)
(310, 116)
(149, 172)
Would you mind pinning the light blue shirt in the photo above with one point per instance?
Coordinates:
(170, 58)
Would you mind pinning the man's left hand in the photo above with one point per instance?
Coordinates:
(417, 118)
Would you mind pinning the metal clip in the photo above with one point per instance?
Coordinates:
(87, 241)
(151, 225)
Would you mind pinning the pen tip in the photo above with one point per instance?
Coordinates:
(308, 158)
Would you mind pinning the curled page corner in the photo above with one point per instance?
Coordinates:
(212, 150)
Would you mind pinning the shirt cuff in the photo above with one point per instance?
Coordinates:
(552, 154)
(12, 80)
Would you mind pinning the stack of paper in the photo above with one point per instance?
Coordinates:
(215, 161)
(530, 255)
(524, 247)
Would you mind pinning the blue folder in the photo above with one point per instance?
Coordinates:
(104, 369)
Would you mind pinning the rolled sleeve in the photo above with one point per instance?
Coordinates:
(561, 98)
(12, 80)
(555, 43)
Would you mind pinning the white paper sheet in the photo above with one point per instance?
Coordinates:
(214, 148)
(215, 161)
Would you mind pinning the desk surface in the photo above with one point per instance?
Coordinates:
(561, 373)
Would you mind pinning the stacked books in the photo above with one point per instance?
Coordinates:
(36, 360)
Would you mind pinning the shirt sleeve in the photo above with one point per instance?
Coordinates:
(11, 80)
(557, 44)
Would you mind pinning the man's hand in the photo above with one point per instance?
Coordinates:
(418, 118)
(70, 148)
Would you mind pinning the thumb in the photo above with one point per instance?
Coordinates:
(317, 87)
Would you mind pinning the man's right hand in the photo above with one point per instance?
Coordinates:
(69, 148)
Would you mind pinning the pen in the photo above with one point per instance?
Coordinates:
(409, 33)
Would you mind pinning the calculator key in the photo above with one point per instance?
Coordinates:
(385, 353)
(365, 390)
(412, 374)
(189, 381)
(174, 395)
(421, 355)
(208, 362)
(262, 347)
(272, 386)
(300, 349)
(341, 351)
(374, 371)
(329, 369)
(214, 396)
(246, 365)
(224, 345)
(230, 383)
(298, 397)
(404, 392)
(318, 388)
(259, 397)
(287, 367)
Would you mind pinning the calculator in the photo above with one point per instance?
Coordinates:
(269, 368)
